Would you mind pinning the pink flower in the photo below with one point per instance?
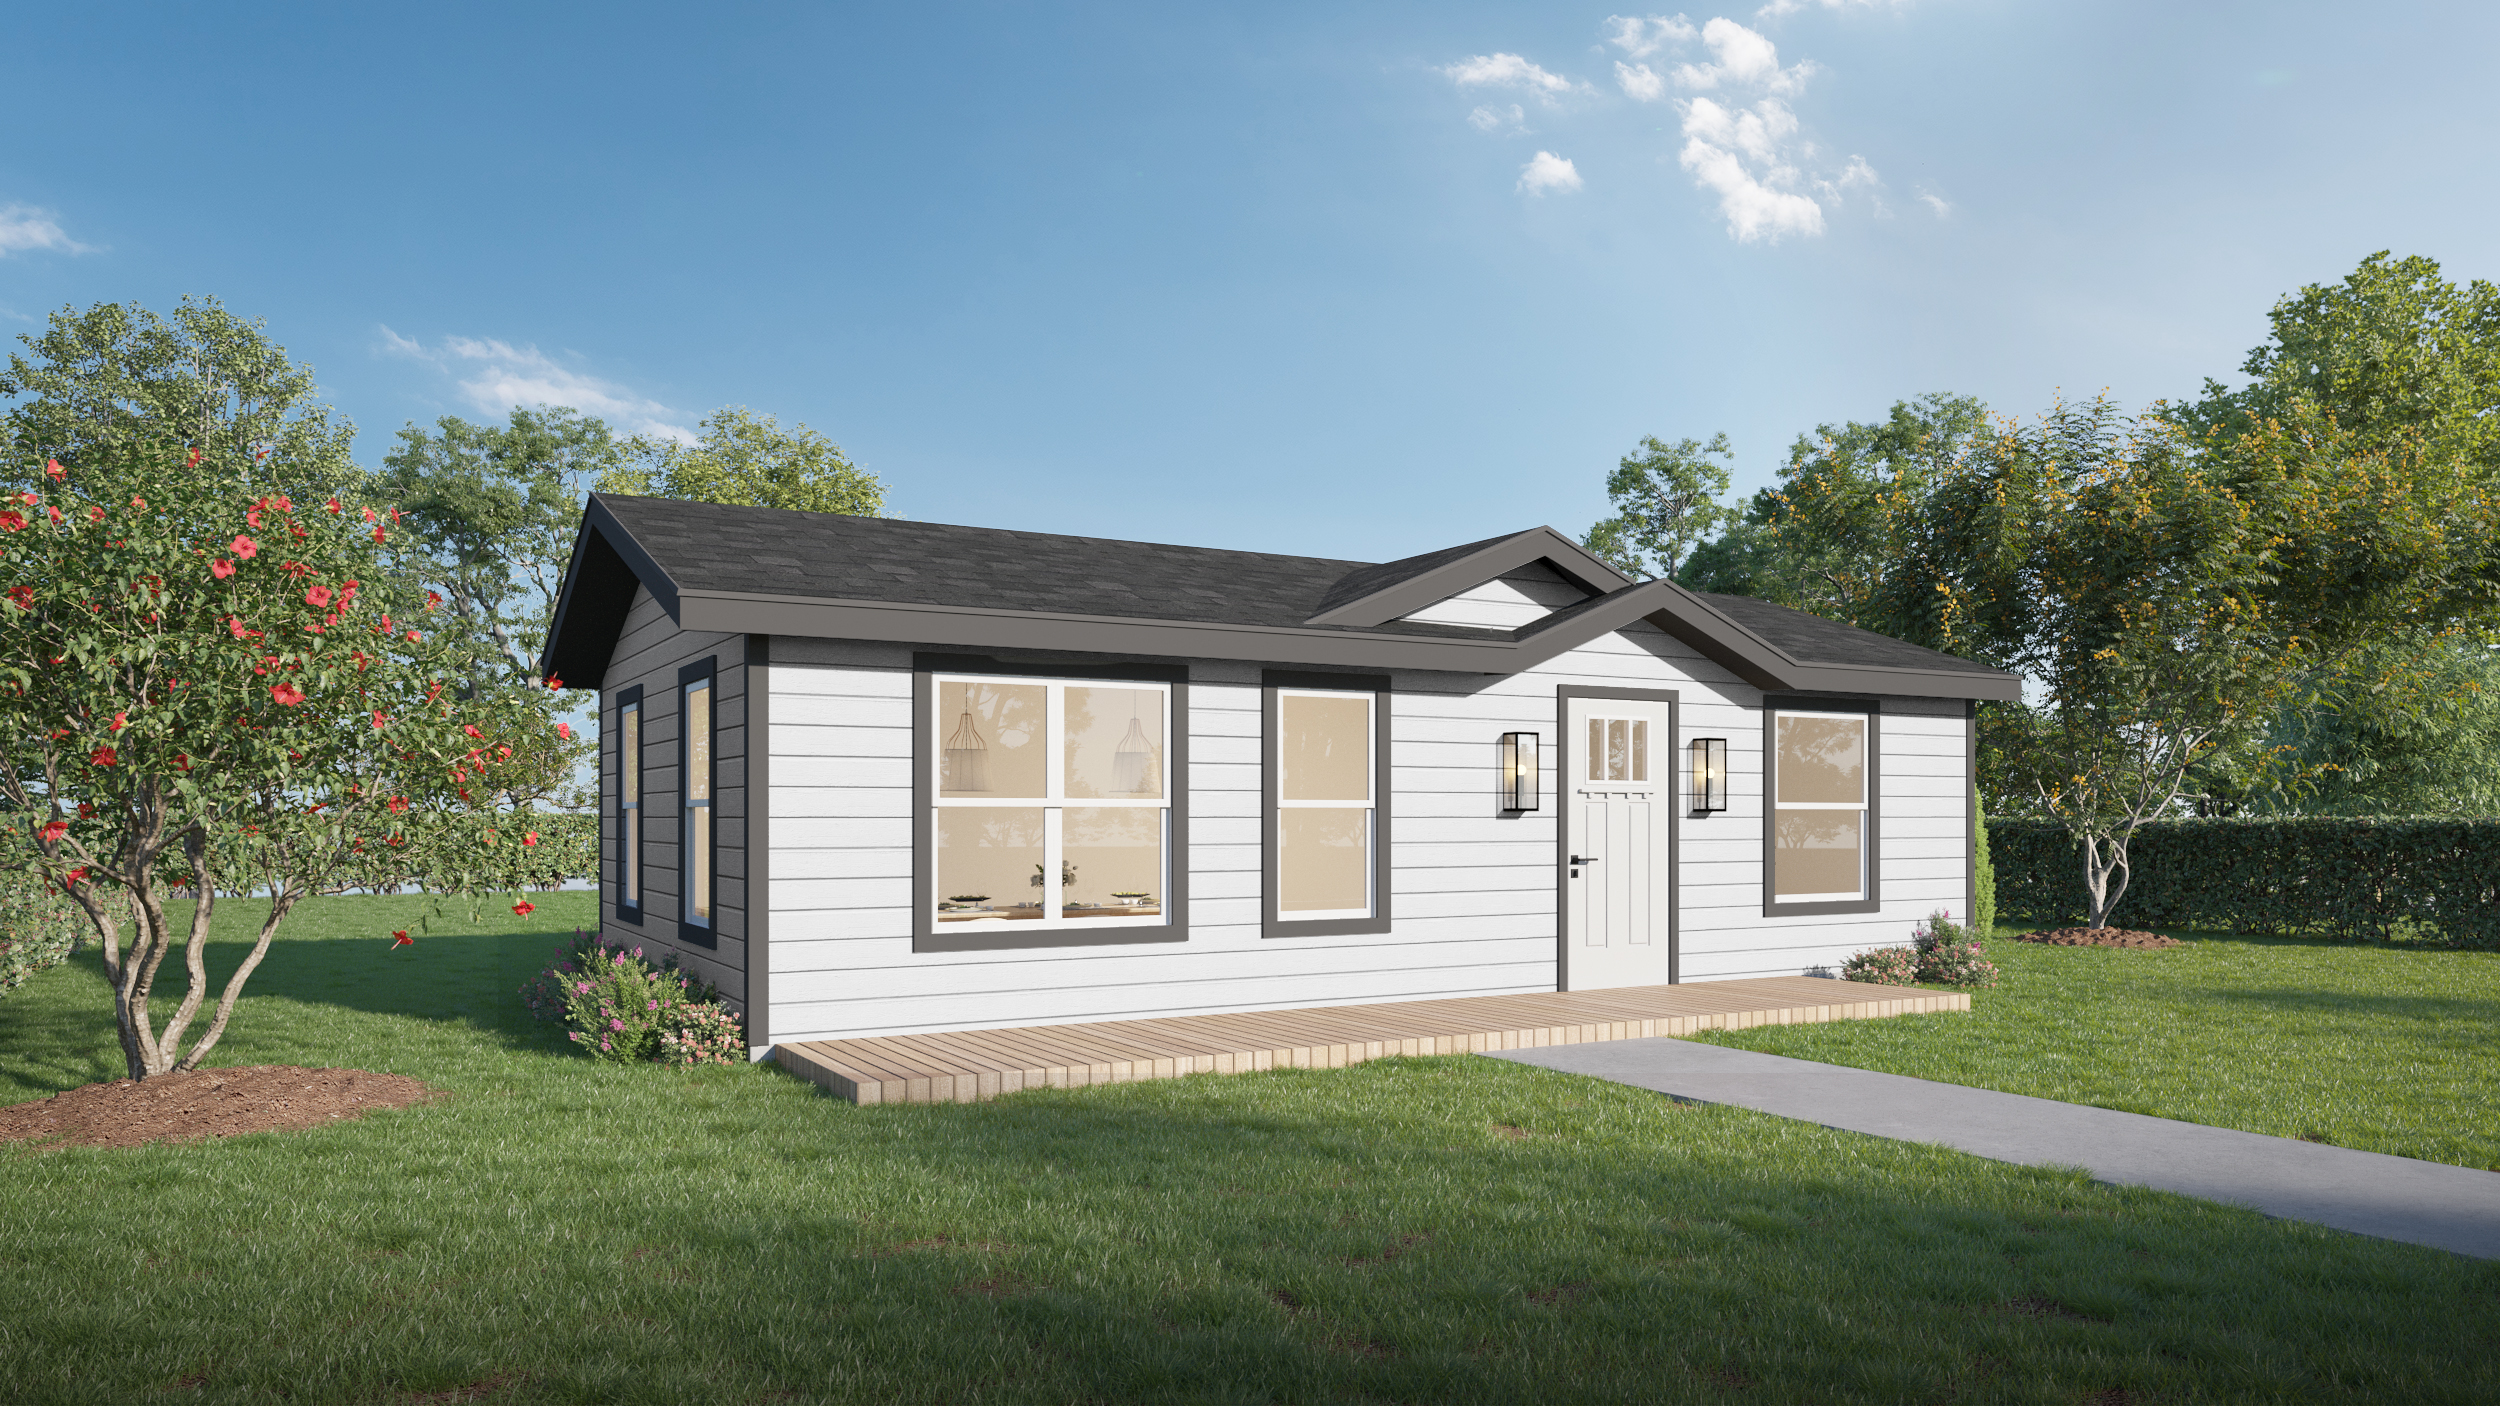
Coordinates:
(565, 731)
(614, 1025)
(582, 987)
(318, 597)
(221, 568)
(246, 548)
(654, 1005)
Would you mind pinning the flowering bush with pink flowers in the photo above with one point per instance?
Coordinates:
(624, 1010)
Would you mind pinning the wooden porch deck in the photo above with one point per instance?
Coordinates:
(962, 1066)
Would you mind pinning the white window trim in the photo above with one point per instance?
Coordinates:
(690, 855)
(1863, 807)
(1369, 804)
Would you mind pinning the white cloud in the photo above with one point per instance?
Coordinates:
(24, 227)
(1640, 82)
(1856, 175)
(1496, 118)
(1510, 71)
(1740, 155)
(1937, 203)
(1547, 172)
(1641, 38)
(1741, 56)
(499, 376)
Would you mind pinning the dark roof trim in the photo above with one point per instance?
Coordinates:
(608, 563)
(1394, 590)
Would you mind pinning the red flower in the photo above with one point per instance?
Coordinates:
(530, 839)
(95, 514)
(120, 721)
(70, 879)
(234, 626)
(287, 694)
(413, 637)
(377, 720)
(399, 804)
(565, 731)
(433, 599)
(221, 568)
(53, 512)
(252, 519)
(53, 832)
(193, 462)
(368, 514)
(377, 534)
(138, 502)
(333, 506)
(23, 597)
(318, 597)
(524, 907)
(553, 682)
(471, 729)
(402, 939)
(183, 760)
(102, 756)
(12, 521)
(86, 811)
(53, 468)
(246, 548)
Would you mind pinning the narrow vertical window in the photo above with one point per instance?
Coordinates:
(629, 805)
(1326, 812)
(1819, 806)
(695, 857)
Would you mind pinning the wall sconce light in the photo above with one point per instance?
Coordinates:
(1709, 774)
(1519, 771)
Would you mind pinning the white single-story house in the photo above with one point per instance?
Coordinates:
(878, 777)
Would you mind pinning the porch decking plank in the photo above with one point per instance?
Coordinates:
(968, 1065)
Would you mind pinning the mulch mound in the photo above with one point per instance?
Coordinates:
(206, 1103)
(2098, 937)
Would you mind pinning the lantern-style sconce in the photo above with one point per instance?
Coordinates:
(1519, 768)
(1709, 774)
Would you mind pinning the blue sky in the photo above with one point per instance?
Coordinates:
(1346, 281)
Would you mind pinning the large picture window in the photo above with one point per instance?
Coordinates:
(1822, 814)
(628, 829)
(1327, 826)
(1052, 805)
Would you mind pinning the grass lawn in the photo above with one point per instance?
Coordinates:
(1432, 1230)
(2387, 1049)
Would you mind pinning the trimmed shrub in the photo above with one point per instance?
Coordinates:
(623, 1010)
(1983, 913)
(1882, 966)
(2429, 879)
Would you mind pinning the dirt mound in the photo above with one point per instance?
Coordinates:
(206, 1103)
(2098, 937)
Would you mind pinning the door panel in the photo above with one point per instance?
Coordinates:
(1617, 888)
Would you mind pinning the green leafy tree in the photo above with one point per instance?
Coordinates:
(1839, 537)
(1666, 499)
(119, 375)
(750, 459)
(2411, 729)
(2395, 351)
(205, 687)
(491, 513)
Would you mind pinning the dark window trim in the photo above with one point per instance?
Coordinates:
(1970, 812)
(1676, 781)
(1270, 739)
(1772, 705)
(705, 935)
(755, 806)
(630, 912)
(924, 934)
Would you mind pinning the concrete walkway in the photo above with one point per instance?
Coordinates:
(2369, 1193)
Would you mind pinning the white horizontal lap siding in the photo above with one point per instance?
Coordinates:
(649, 651)
(1922, 834)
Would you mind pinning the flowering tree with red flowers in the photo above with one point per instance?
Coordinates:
(209, 688)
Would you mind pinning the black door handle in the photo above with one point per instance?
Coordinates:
(1578, 860)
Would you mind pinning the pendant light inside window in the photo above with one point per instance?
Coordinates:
(1132, 762)
(967, 756)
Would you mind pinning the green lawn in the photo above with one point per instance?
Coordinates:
(559, 1231)
(2388, 1049)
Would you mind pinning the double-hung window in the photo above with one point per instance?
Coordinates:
(1327, 827)
(695, 850)
(1051, 809)
(1822, 813)
(629, 805)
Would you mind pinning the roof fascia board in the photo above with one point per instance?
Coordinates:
(1415, 592)
(646, 568)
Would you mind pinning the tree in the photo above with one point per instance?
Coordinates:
(750, 459)
(2413, 728)
(2394, 351)
(491, 513)
(205, 686)
(1838, 536)
(120, 376)
(1666, 500)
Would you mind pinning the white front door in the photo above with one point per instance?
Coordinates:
(1617, 789)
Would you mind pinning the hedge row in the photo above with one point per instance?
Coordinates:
(2352, 878)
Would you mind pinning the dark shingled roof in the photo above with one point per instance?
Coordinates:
(1811, 639)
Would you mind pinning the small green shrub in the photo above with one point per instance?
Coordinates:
(1950, 955)
(1882, 966)
(1983, 913)
(39, 925)
(623, 1010)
